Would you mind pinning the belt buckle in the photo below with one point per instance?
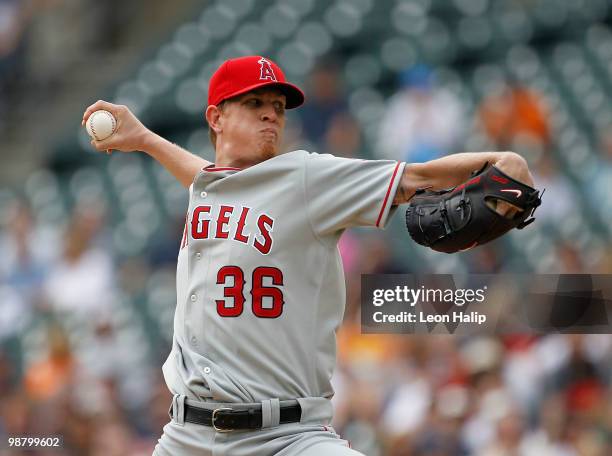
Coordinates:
(214, 417)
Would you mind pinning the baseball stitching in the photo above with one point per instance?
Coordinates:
(112, 118)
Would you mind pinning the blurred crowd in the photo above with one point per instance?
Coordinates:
(82, 376)
(35, 59)
(75, 360)
(493, 396)
(67, 366)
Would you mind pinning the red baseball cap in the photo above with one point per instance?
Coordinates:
(243, 74)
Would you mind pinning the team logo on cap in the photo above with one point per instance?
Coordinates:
(265, 70)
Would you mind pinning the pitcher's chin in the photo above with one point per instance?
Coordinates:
(268, 149)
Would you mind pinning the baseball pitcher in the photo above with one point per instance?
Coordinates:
(260, 284)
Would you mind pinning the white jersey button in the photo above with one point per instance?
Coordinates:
(198, 255)
(207, 370)
(203, 194)
(194, 341)
(193, 298)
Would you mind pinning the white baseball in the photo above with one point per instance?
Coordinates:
(101, 124)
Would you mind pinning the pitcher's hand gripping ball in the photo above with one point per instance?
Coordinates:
(101, 124)
(463, 217)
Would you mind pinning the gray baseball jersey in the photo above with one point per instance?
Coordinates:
(260, 284)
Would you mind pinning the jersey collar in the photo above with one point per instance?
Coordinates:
(212, 173)
(214, 169)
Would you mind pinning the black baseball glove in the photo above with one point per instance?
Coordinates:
(463, 217)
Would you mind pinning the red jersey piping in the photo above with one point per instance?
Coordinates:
(221, 169)
(382, 209)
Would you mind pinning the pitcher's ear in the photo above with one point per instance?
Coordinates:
(213, 117)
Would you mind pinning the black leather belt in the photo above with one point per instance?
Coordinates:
(225, 419)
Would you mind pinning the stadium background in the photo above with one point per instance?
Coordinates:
(88, 242)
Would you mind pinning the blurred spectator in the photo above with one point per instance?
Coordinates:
(483, 357)
(524, 373)
(15, 411)
(7, 374)
(82, 281)
(11, 27)
(422, 121)
(364, 253)
(441, 431)
(604, 265)
(325, 101)
(377, 255)
(364, 406)
(408, 406)
(560, 199)
(508, 434)
(486, 259)
(569, 258)
(15, 312)
(50, 377)
(113, 437)
(168, 241)
(27, 252)
(514, 114)
(578, 380)
(550, 438)
(343, 137)
(12, 23)
(49, 53)
(103, 360)
(598, 185)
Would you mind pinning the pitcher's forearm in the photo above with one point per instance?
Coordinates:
(183, 165)
(452, 170)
